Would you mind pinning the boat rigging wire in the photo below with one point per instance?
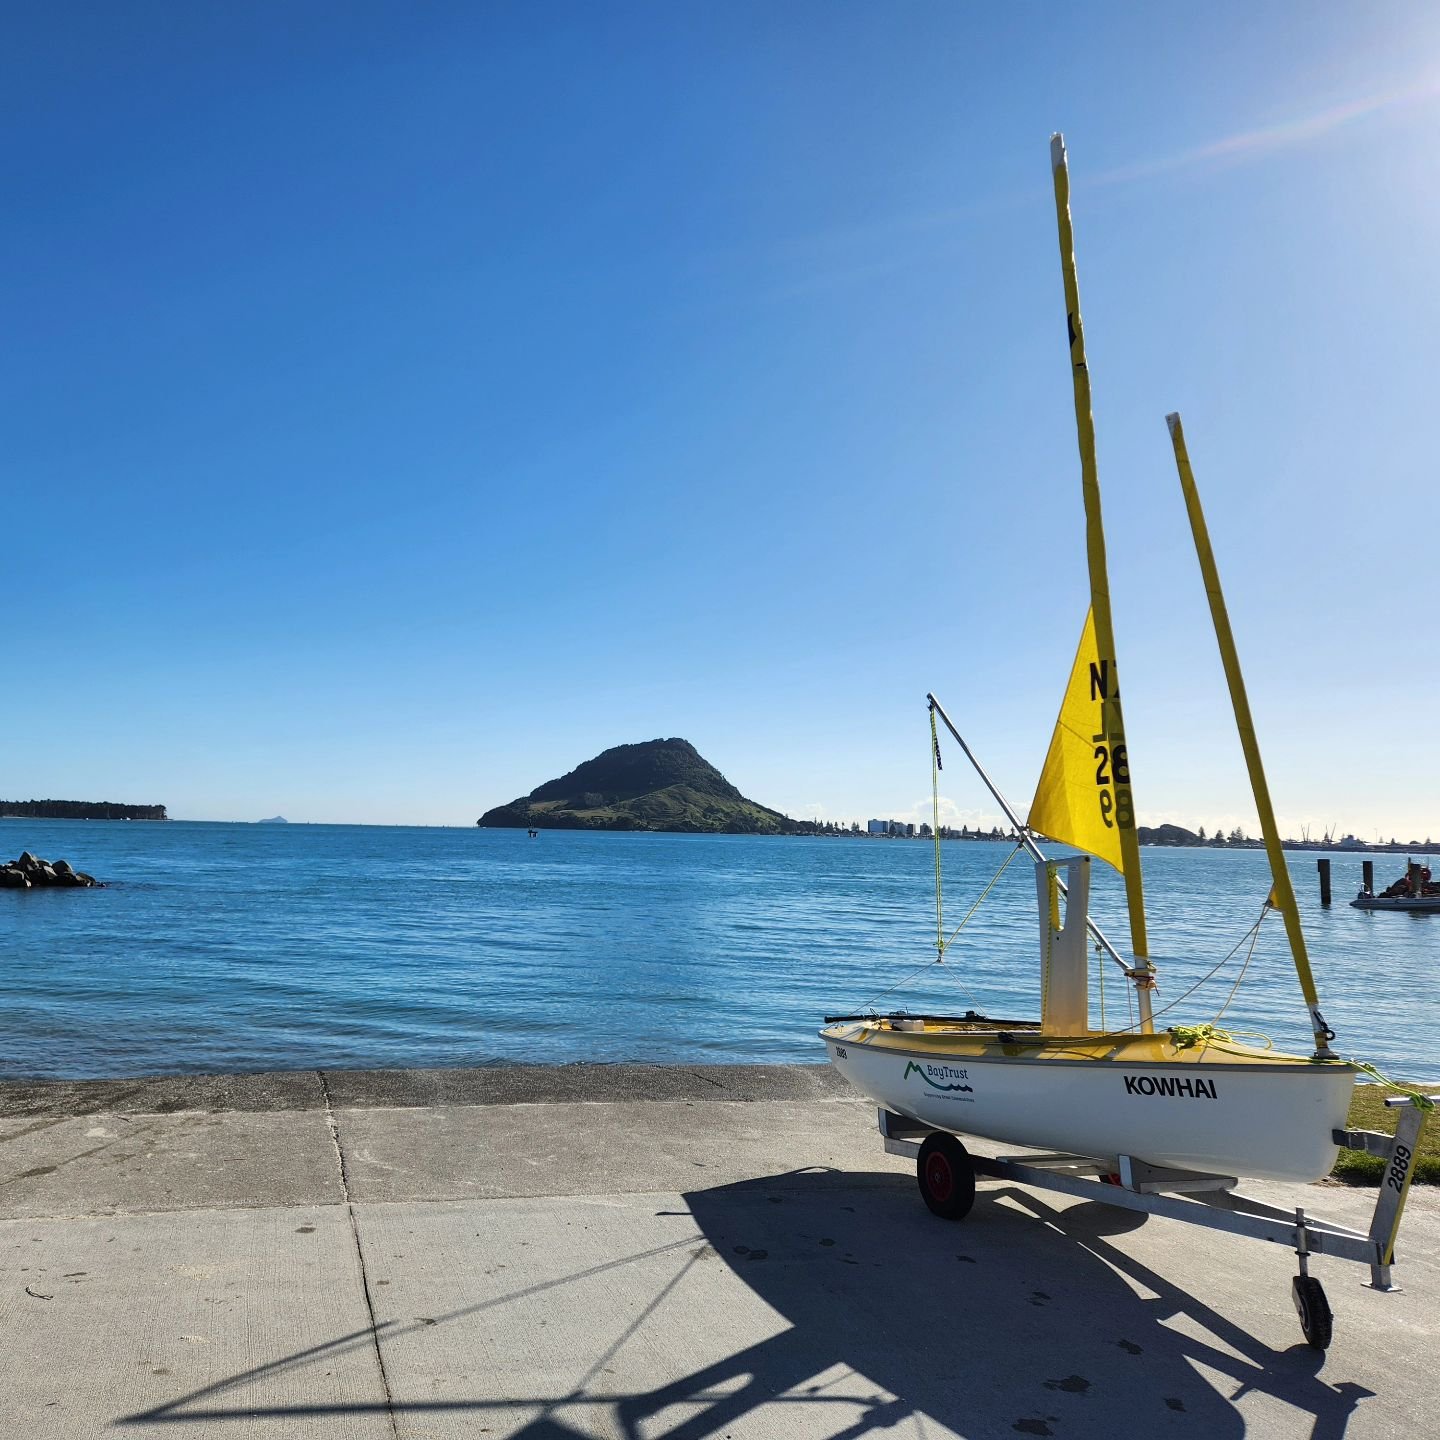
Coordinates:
(970, 914)
(1100, 968)
(1249, 955)
(936, 766)
(1102, 946)
(1252, 935)
(1023, 834)
(940, 957)
(906, 979)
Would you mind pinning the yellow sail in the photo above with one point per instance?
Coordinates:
(1083, 798)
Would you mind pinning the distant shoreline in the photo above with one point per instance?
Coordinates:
(806, 830)
(78, 810)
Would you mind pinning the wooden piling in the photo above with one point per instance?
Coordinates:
(1367, 875)
(1323, 866)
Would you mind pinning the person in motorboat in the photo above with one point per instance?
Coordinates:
(1402, 889)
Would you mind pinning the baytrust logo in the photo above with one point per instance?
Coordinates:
(935, 1076)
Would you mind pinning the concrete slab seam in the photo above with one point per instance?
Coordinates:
(332, 1124)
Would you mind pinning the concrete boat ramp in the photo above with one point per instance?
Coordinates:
(631, 1251)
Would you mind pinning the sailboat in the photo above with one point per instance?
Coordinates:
(1185, 1099)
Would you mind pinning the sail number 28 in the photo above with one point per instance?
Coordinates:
(1112, 764)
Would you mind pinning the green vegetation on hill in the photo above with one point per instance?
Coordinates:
(1167, 835)
(655, 785)
(79, 810)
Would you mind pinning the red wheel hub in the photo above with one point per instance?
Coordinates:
(939, 1177)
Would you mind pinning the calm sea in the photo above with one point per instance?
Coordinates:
(258, 947)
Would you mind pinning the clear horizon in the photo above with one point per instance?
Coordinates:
(408, 406)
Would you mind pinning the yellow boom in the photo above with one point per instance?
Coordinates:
(1283, 893)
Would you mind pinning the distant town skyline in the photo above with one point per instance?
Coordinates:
(411, 403)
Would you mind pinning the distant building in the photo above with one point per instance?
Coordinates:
(877, 827)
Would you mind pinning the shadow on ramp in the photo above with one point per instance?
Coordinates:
(1024, 1319)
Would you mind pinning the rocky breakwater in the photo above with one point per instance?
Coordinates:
(30, 871)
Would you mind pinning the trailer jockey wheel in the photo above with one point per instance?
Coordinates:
(1314, 1311)
(946, 1176)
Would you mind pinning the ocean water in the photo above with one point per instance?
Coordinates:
(257, 947)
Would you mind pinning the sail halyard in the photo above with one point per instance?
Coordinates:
(1112, 736)
(1283, 893)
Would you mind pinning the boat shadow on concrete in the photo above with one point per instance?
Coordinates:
(1024, 1319)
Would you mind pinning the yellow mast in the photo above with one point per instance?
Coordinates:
(1283, 892)
(1122, 807)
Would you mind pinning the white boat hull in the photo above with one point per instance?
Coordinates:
(1244, 1120)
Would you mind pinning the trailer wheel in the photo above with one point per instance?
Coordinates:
(946, 1176)
(1313, 1308)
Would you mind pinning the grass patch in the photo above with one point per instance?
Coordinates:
(1368, 1112)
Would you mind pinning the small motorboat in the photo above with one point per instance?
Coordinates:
(1414, 891)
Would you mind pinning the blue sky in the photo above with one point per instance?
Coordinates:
(404, 403)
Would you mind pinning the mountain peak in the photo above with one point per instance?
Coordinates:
(651, 785)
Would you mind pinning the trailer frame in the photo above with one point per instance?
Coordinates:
(1192, 1197)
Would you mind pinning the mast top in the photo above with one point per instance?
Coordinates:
(1057, 150)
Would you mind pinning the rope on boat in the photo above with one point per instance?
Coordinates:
(1185, 1037)
(1005, 865)
(1417, 1097)
(1211, 1036)
(1249, 955)
(905, 980)
(935, 768)
(1252, 935)
(942, 943)
(1100, 968)
(942, 948)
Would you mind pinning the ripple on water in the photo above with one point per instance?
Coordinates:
(239, 947)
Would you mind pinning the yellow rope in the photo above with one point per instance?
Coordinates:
(983, 894)
(935, 800)
(1100, 965)
(1417, 1098)
(941, 943)
(1186, 1037)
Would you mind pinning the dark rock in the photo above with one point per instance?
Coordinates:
(29, 870)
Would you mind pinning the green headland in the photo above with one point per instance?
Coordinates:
(655, 785)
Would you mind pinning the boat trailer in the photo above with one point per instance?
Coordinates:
(946, 1171)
